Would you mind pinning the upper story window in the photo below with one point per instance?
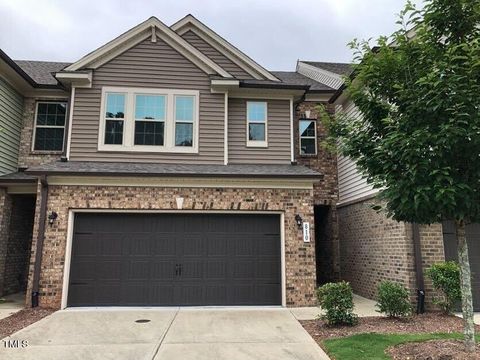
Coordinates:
(257, 124)
(49, 129)
(308, 137)
(158, 120)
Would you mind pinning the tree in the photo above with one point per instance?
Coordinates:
(418, 139)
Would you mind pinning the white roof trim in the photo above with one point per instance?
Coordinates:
(321, 75)
(191, 20)
(140, 33)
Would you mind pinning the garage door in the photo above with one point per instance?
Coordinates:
(473, 239)
(173, 259)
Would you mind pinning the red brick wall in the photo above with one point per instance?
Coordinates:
(373, 248)
(5, 213)
(299, 257)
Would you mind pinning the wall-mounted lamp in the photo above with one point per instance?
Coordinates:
(299, 221)
(307, 114)
(52, 217)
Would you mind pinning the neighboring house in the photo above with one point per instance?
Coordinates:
(165, 168)
(375, 248)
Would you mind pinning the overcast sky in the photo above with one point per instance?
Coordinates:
(273, 32)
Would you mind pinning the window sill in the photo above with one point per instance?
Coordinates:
(308, 155)
(147, 149)
(257, 144)
(46, 152)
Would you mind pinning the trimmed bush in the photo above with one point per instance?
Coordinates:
(446, 278)
(336, 299)
(393, 300)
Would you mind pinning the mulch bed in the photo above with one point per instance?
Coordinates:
(425, 323)
(21, 319)
(433, 350)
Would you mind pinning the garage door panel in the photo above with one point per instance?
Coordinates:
(162, 269)
(173, 259)
(164, 244)
(107, 270)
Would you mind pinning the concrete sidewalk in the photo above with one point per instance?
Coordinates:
(166, 334)
(363, 307)
(12, 304)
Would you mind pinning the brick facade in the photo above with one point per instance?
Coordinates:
(299, 257)
(325, 191)
(374, 248)
(26, 156)
(19, 243)
(5, 213)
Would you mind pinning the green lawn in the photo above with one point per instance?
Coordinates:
(372, 346)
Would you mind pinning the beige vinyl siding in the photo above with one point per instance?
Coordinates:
(351, 184)
(148, 65)
(215, 55)
(278, 122)
(11, 109)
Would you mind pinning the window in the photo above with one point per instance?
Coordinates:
(184, 120)
(157, 120)
(257, 124)
(50, 126)
(150, 114)
(308, 137)
(114, 118)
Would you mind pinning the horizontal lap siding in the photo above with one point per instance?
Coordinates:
(216, 56)
(150, 65)
(351, 184)
(278, 151)
(11, 110)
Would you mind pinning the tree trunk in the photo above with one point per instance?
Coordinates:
(466, 286)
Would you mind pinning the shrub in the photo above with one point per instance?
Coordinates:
(337, 301)
(393, 300)
(446, 278)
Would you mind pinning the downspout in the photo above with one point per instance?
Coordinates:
(40, 240)
(225, 134)
(417, 249)
(70, 123)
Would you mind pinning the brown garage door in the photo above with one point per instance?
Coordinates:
(473, 238)
(173, 259)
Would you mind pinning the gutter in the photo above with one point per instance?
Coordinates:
(418, 268)
(40, 241)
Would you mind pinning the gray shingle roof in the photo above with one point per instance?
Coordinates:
(292, 77)
(337, 68)
(149, 169)
(18, 177)
(41, 71)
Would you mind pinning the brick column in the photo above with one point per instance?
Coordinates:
(5, 215)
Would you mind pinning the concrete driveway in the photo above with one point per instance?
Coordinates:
(170, 334)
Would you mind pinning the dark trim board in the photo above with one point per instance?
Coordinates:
(171, 259)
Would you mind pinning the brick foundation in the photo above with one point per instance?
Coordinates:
(299, 257)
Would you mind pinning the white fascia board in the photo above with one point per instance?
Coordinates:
(189, 19)
(138, 33)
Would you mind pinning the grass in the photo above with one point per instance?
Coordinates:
(372, 346)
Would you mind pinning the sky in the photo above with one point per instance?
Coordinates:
(275, 33)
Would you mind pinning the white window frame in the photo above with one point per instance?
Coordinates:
(150, 120)
(129, 121)
(300, 137)
(257, 143)
(34, 135)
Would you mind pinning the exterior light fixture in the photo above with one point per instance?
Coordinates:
(52, 217)
(299, 221)
(307, 114)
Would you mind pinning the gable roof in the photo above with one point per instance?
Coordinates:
(334, 67)
(146, 29)
(41, 71)
(189, 22)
